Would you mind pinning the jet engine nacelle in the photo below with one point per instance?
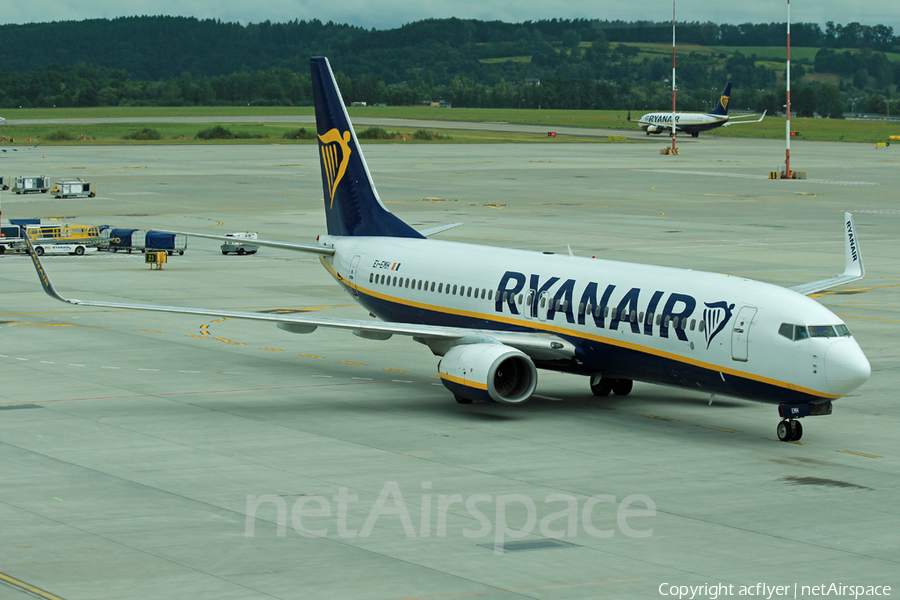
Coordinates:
(488, 372)
(653, 129)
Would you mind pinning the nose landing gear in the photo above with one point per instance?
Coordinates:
(789, 430)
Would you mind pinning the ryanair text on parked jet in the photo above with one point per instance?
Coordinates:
(694, 123)
(495, 315)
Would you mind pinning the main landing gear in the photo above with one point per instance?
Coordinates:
(789, 430)
(602, 386)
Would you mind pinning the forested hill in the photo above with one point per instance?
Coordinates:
(555, 63)
(152, 48)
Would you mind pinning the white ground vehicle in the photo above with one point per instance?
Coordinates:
(46, 247)
(238, 246)
(73, 188)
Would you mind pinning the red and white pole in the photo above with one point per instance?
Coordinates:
(787, 120)
(673, 77)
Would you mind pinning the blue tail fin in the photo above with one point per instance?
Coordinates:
(352, 206)
(722, 107)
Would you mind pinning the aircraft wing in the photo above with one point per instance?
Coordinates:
(853, 269)
(731, 122)
(538, 346)
(268, 243)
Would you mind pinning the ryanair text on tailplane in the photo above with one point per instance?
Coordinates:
(610, 306)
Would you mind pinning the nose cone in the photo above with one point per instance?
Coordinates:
(846, 367)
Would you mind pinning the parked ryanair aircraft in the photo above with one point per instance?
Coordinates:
(495, 315)
(694, 123)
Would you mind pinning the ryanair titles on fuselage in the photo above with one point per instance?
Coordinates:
(660, 118)
(666, 312)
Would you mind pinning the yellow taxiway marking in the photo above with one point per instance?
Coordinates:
(312, 356)
(228, 341)
(790, 442)
(271, 349)
(397, 371)
(34, 591)
(661, 418)
(860, 454)
(347, 362)
(720, 429)
(149, 331)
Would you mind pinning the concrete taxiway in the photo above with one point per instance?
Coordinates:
(134, 445)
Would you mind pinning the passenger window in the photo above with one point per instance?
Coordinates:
(520, 298)
(649, 318)
(371, 277)
(641, 317)
(597, 311)
(702, 327)
(675, 322)
(605, 311)
(454, 290)
(581, 308)
(490, 294)
(667, 321)
(432, 286)
(659, 319)
(543, 302)
(693, 322)
(633, 316)
(468, 293)
(395, 282)
(440, 288)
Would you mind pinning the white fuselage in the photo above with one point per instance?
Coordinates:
(661, 122)
(711, 332)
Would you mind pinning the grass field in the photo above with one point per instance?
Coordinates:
(185, 133)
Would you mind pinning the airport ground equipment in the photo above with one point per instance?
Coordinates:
(10, 238)
(31, 183)
(142, 240)
(169, 242)
(63, 239)
(4, 183)
(239, 246)
(73, 188)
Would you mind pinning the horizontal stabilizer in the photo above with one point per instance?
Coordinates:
(324, 250)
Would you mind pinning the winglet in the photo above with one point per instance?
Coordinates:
(852, 256)
(853, 264)
(42, 274)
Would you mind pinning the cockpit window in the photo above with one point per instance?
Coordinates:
(801, 332)
(821, 331)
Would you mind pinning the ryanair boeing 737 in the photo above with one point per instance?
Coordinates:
(694, 123)
(496, 315)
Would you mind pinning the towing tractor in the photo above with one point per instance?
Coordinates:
(73, 188)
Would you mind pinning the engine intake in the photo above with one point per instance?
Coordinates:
(489, 373)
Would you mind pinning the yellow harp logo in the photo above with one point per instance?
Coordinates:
(724, 102)
(335, 150)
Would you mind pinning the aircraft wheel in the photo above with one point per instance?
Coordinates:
(600, 386)
(796, 431)
(622, 387)
(785, 431)
(462, 400)
(79, 250)
(39, 250)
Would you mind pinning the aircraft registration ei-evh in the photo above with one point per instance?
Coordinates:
(495, 315)
(693, 122)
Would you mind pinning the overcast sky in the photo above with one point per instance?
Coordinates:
(386, 14)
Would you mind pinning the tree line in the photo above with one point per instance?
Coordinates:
(557, 63)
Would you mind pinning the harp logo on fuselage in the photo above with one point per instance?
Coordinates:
(334, 148)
